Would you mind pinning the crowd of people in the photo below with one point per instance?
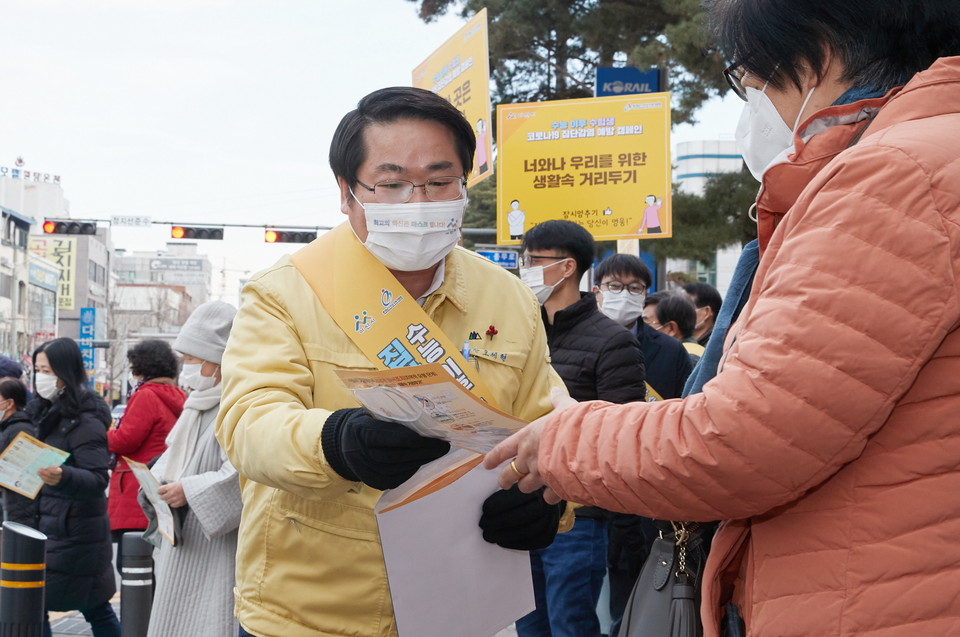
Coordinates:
(806, 424)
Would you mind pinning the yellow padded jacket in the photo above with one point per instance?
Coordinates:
(309, 561)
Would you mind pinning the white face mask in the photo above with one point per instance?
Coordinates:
(762, 135)
(191, 377)
(413, 236)
(533, 277)
(47, 386)
(622, 307)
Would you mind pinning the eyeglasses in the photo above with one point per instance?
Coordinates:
(636, 289)
(527, 260)
(652, 322)
(401, 190)
(734, 74)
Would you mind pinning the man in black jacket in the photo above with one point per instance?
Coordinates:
(622, 282)
(597, 360)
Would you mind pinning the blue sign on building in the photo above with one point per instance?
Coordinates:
(504, 258)
(88, 331)
(626, 80)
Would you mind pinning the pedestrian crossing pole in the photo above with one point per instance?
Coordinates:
(22, 580)
(136, 584)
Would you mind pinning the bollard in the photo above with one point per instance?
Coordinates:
(22, 579)
(136, 585)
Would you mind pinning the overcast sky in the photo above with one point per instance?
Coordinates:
(206, 111)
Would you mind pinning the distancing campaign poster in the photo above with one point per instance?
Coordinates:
(602, 162)
(460, 71)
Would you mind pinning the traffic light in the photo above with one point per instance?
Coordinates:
(69, 226)
(289, 236)
(196, 232)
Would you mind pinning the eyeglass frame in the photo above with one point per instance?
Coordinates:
(413, 189)
(734, 80)
(525, 260)
(625, 287)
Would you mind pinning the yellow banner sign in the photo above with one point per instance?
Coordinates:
(601, 162)
(63, 252)
(460, 71)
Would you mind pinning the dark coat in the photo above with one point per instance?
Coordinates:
(597, 358)
(73, 514)
(667, 362)
(16, 507)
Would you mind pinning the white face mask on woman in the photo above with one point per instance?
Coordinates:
(762, 135)
(408, 237)
(623, 307)
(47, 386)
(191, 377)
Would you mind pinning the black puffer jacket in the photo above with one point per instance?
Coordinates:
(16, 507)
(597, 358)
(73, 514)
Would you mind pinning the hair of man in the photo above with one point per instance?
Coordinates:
(704, 295)
(569, 238)
(389, 105)
(676, 306)
(623, 265)
(14, 389)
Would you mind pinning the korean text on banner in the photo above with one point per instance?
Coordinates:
(63, 252)
(602, 162)
(460, 72)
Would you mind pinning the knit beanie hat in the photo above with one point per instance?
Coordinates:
(205, 333)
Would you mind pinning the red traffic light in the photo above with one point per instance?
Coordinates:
(196, 232)
(289, 236)
(69, 226)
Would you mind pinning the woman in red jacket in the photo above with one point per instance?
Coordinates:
(141, 434)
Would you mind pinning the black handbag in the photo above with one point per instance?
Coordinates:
(665, 601)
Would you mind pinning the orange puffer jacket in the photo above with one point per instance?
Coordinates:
(830, 439)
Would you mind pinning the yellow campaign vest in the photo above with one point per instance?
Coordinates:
(652, 395)
(376, 312)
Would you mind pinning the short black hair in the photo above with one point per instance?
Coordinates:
(387, 105)
(704, 294)
(881, 43)
(153, 359)
(65, 360)
(14, 389)
(564, 236)
(623, 264)
(676, 306)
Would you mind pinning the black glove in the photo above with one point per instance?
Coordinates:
(381, 454)
(517, 520)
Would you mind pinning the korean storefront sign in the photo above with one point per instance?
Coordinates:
(63, 252)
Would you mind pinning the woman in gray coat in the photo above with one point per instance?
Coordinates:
(195, 576)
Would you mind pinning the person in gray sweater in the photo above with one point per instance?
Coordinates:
(195, 575)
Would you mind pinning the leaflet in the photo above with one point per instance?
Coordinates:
(426, 399)
(150, 485)
(21, 460)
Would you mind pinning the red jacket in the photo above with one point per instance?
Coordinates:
(150, 415)
(830, 439)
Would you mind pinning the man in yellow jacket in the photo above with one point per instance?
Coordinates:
(312, 463)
